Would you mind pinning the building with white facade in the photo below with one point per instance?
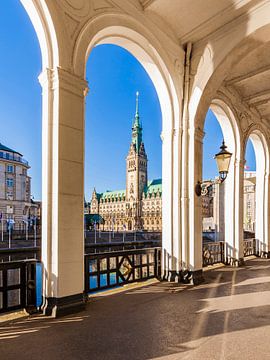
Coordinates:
(214, 203)
(16, 205)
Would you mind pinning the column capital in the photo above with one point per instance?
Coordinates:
(61, 78)
(198, 134)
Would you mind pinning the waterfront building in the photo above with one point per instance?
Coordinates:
(138, 207)
(16, 205)
(213, 204)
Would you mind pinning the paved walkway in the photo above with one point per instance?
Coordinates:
(228, 317)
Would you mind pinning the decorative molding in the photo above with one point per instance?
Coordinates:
(146, 3)
(198, 134)
(69, 82)
(179, 67)
(247, 76)
(257, 95)
(72, 24)
(76, 8)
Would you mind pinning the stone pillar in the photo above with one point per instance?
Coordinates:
(177, 233)
(267, 212)
(63, 191)
(239, 211)
(193, 254)
(168, 261)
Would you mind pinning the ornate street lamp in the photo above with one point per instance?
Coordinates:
(223, 159)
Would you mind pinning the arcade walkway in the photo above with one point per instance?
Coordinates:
(228, 317)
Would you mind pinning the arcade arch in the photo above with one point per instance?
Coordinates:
(139, 47)
(262, 187)
(64, 90)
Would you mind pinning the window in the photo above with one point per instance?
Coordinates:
(10, 168)
(9, 182)
(9, 195)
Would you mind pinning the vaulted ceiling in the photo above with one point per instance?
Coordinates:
(251, 79)
(195, 20)
(192, 20)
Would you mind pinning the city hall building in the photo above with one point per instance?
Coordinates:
(139, 206)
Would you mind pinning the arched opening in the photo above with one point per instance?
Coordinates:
(138, 46)
(220, 201)
(256, 192)
(24, 144)
(123, 145)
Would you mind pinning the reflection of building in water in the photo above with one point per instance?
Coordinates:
(213, 205)
(15, 188)
(139, 206)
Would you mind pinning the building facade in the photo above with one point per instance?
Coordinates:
(213, 205)
(139, 206)
(16, 205)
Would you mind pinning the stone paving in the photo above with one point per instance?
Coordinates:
(227, 317)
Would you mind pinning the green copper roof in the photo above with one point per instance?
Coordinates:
(5, 148)
(153, 186)
(113, 194)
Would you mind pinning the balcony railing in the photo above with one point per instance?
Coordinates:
(250, 247)
(18, 285)
(13, 157)
(108, 270)
(213, 253)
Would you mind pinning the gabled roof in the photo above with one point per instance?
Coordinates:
(5, 148)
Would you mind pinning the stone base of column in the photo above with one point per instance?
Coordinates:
(197, 277)
(192, 277)
(173, 276)
(241, 262)
(57, 307)
(230, 261)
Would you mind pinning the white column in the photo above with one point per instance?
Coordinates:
(168, 263)
(192, 256)
(63, 190)
(177, 231)
(239, 211)
(267, 212)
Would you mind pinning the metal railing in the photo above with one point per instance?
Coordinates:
(18, 285)
(13, 157)
(213, 253)
(119, 246)
(250, 247)
(108, 270)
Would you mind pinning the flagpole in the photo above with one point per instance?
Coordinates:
(35, 234)
(2, 225)
(95, 224)
(26, 230)
(9, 236)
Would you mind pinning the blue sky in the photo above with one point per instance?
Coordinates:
(114, 77)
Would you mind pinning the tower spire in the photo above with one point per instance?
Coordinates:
(137, 128)
(137, 116)
(137, 103)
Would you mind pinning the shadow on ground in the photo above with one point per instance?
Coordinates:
(227, 317)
